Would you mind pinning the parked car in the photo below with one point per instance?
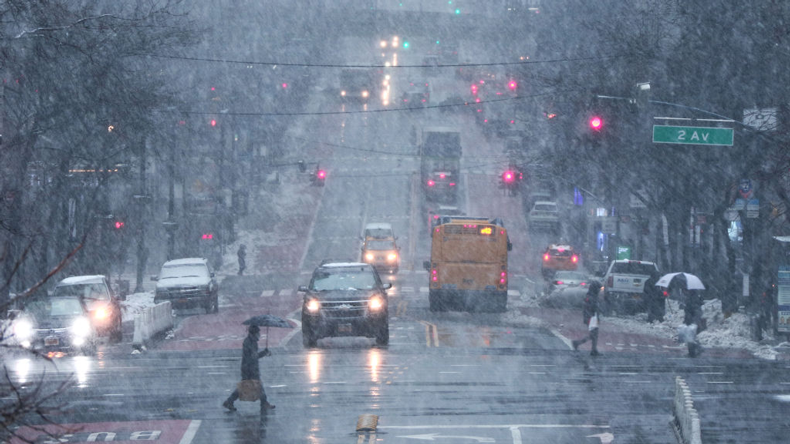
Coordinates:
(345, 299)
(104, 307)
(55, 325)
(188, 283)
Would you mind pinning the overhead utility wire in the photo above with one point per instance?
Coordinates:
(337, 65)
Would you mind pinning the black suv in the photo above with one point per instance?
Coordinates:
(345, 299)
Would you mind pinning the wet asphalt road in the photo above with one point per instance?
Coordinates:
(450, 377)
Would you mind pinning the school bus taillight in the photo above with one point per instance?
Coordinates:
(434, 276)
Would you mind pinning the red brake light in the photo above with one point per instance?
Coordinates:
(208, 236)
(431, 183)
(507, 176)
(442, 175)
(574, 258)
(321, 174)
(546, 257)
(666, 293)
(558, 282)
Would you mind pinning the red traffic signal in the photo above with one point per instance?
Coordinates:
(213, 122)
(512, 85)
(321, 174)
(508, 176)
(596, 123)
(474, 89)
(119, 224)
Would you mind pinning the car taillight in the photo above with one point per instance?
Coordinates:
(666, 293)
(431, 183)
(583, 284)
(546, 257)
(442, 175)
(574, 258)
(434, 275)
(503, 277)
(452, 184)
(557, 282)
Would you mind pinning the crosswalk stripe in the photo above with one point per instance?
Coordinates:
(407, 290)
(267, 293)
(513, 293)
(423, 289)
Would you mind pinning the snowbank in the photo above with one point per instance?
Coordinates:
(136, 303)
(733, 332)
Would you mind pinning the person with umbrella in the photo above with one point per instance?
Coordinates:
(249, 367)
(590, 315)
(690, 287)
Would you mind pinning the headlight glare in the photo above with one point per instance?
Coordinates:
(81, 327)
(392, 256)
(313, 305)
(375, 303)
(23, 329)
(369, 256)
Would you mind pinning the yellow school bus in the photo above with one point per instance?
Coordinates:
(468, 266)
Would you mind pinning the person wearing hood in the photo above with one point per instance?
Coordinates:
(249, 367)
(590, 316)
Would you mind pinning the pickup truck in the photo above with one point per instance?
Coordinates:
(544, 215)
(624, 284)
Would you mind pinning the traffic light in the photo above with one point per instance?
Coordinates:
(321, 174)
(508, 176)
(406, 44)
(213, 122)
(512, 85)
(119, 225)
(596, 123)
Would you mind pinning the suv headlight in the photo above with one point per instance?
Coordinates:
(375, 303)
(81, 327)
(313, 305)
(23, 329)
(369, 256)
(392, 256)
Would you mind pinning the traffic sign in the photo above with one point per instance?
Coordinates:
(690, 135)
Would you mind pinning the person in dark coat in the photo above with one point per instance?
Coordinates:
(589, 310)
(249, 367)
(654, 299)
(242, 254)
(692, 315)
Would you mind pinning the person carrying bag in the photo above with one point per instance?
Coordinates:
(250, 387)
(590, 315)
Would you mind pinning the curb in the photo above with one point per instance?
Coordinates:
(685, 422)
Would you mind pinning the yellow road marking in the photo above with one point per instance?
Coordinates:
(431, 334)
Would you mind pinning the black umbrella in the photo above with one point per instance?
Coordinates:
(267, 321)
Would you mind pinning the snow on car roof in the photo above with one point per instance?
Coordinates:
(77, 280)
(378, 226)
(344, 264)
(560, 247)
(185, 261)
(545, 202)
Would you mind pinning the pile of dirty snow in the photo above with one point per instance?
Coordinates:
(135, 303)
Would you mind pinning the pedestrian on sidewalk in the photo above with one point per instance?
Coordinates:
(590, 315)
(250, 371)
(654, 298)
(242, 254)
(692, 315)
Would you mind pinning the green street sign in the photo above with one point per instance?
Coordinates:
(623, 253)
(690, 135)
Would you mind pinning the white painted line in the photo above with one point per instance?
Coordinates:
(423, 289)
(267, 293)
(627, 381)
(513, 293)
(720, 382)
(407, 290)
(628, 373)
(529, 280)
(634, 345)
(651, 345)
(465, 365)
(295, 330)
(537, 373)
(217, 373)
(337, 382)
(516, 433)
(562, 338)
(784, 383)
(192, 429)
(213, 366)
(503, 426)
(113, 394)
(710, 373)
(277, 386)
(542, 365)
(448, 373)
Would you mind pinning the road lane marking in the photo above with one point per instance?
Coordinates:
(213, 366)
(113, 394)
(562, 338)
(537, 373)
(217, 373)
(449, 373)
(497, 426)
(628, 373)
(277, 386)
(710, 373)
(720, 382)
(516, 434)
(189, 435)
(513, 293)
(267, 293)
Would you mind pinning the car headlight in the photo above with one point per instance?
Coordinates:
(23, 329)
(365, 94)
(81, 327)
(101, 313)
(375, 303)
(369, 256)
(342, 93)
(313, 305)
(392, 256)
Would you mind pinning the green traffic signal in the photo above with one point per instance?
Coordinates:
(457, 11)
(405, 45)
